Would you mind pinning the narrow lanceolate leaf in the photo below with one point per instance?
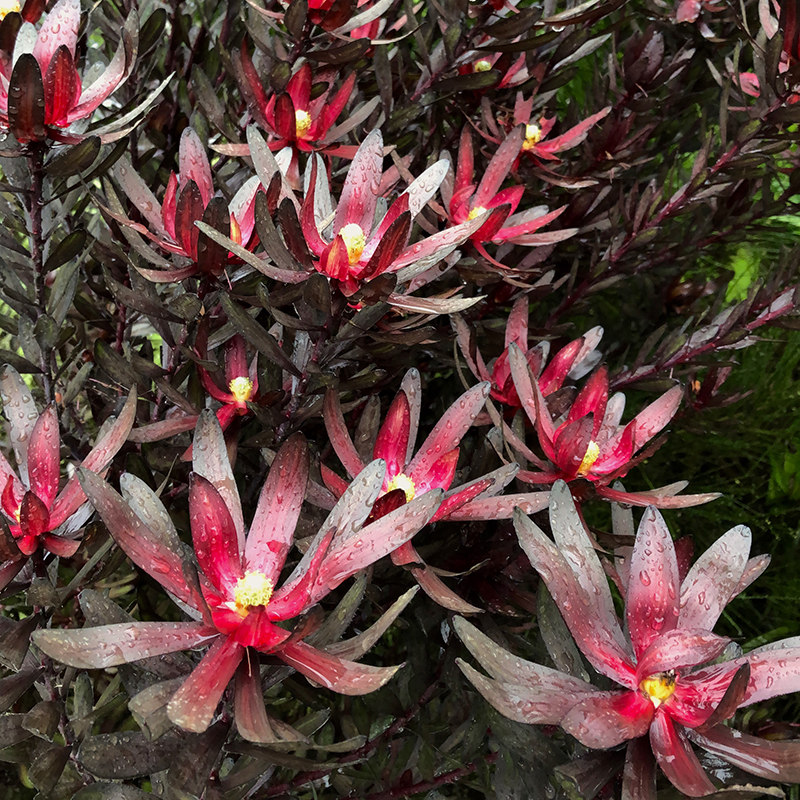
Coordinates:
(193, 705)
(272, 530)
(677, 759)
(345, 677)
(574, 543)
(713, 578)
(450, 429)
(653, 591)
(360, 191)
(349, 554)
(112, 645)
(339, 435)
(210, 460)
(777, 761)
(440, 593)
(250, 714)
(21, 413)
(599, 643)
(147, 550)
(44, 457)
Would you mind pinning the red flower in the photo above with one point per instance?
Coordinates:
(501, 224)
(241, 383)
(433, 467)
(665, 693)
(40, 515)
(44, 91)
(573, 360)
(590, 442)
(358, 251)
(236, 606)
(189, 197)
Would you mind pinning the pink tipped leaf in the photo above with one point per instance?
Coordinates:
(337, 674)
(111, 438)
(487, 508)
(438, 591)
(44, 456)
(360, 191)
(465, 167)
(712, 581)
(350, 553)
(391, 443)
(111, 645)
(774, 760)
(60, 86)
(338, 434)
(578, 551)
(648, 422)
(59, 28)
(145, 548)
(139, 194)
(652, 598)
(773, 672)
(449, 430)
(521, 703)
(499, 167)
(676, 758)
(607, 719)
(597, 642)
(574, 136)
(192, 707)
(214, 535)
(279, 505)
(517, 325)
(193, 166)
(411, 385)
(333, 108)
(210, 459)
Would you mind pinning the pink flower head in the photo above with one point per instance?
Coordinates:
(38, 514)
(589, 441)
(510, 73)
(240, 388)
(573, 360)
(359, 248)
(535, 141)
(44, 91)
(235, 602)
(469, 201)
(410, 475)
(189, 197)
(665, 694)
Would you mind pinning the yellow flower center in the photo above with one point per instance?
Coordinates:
(533, 135)
(254, 589)
(302, 123)
(476, 212)
(7, 7)
(592, 453)
(241, 389)
(482, 66)
(355, 240)
(659, 687)
(402, 481)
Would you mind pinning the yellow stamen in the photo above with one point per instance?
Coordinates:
(659, 687)
(482, 66)
(355, 241)
(302, 123)
(533, 135)
(592, 454)
(7, 7)
(254, 589)
(402, 481)
(241, 389)
(476, 212)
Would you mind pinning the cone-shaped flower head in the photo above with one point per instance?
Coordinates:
(38, 514)
(665, 691)
(44, 91)
(237, 599)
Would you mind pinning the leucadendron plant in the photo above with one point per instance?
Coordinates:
(313, 314)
